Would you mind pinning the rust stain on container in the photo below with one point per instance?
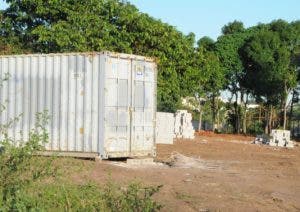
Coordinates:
(81, 130)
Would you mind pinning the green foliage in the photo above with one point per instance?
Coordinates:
(214, 79)
(133, 198)
(16, 169)
(267, 61)
(233, 28)
(256, 128)
(227, 48)
(88, 197)
(206, 43)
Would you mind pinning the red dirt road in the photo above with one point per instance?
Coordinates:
(231, 175)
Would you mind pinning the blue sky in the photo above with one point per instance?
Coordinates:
(206, 17)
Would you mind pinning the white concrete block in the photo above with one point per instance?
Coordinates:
(165, 128)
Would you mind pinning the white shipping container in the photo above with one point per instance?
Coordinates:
(165, 128)
(100, 104)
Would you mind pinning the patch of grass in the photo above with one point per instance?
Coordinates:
(184, 197)
(88, 197)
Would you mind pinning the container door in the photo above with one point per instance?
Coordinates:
(117, 107)
(142, 126)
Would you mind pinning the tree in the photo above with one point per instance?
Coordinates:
(207, 79)
(233, 28)
(227, 48)
(214, 81)
(206, 43)
(268, 72)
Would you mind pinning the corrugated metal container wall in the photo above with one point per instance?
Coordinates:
(99, 103)
(165, 125)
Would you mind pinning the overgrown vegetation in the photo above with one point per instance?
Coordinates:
(86, 197)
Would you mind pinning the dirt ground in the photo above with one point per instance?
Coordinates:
(217, 173)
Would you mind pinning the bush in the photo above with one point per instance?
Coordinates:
(19, 167)
(256, 128)
(132, 198)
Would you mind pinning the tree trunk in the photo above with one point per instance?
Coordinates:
(284, 118)
(267, 122)
(298, 127)
(270, 119)
(200, 118)
(266, 126)
(268, 116)
(245, 114)
(237, 116)
(213, 113)
(245, 122)
(218, 118)
(286, 92)
(259, 116)
(291, 113)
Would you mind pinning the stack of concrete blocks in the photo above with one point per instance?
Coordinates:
(183, 125)
(165, 128)
(281, 138)
(262, 139)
